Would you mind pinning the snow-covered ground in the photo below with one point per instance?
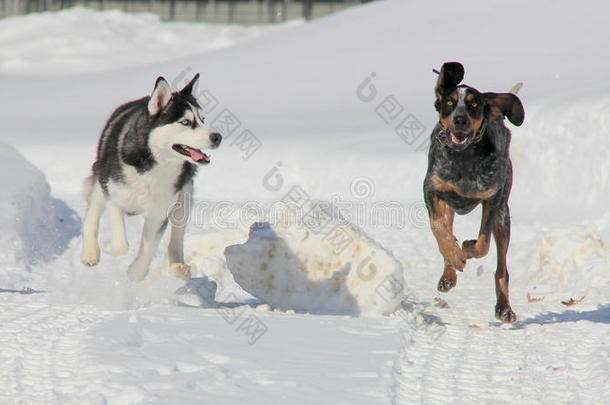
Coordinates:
(83, 40)
(317, 97)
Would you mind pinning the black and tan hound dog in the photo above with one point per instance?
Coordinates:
(468, 165)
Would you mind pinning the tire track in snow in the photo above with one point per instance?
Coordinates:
(40, 350)
(438, 363)
(451, 360)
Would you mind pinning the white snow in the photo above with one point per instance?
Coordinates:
(573, 261)
(35, 226)
(312, 260)
(82, 40)
(91, 337)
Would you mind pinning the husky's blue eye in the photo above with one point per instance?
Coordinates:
(186, 122)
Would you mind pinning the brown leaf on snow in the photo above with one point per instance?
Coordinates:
(572, 301)
(531, 299)
(441, 303)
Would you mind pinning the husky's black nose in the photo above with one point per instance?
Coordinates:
(215, 138)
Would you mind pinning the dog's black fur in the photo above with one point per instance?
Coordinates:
(147, 156)
(135, 150)
(468, 165)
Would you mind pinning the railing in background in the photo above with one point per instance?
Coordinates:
(243, 12)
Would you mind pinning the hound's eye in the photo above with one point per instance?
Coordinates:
(449, 103)
(474, 105)
(186, 122)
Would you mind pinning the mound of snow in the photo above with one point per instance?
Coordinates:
(299, 265)
(572, 261)
(563, 147)
(205, 254)
(34, 227)
(83, 40)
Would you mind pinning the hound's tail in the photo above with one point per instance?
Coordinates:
(515, 89)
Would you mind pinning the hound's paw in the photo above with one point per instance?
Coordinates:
(455, 257)
(445, 284)
(505, 314)
(90, 256)
(181, 270)
(470, 249)
(115, 250)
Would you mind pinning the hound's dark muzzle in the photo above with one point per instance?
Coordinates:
(461, 123)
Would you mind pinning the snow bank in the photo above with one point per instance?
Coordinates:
(571, 261)
(563, 147)
(295, 264)
(204, 252)
(83, 40)
(34, 227)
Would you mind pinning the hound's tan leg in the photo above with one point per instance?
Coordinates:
(478, 248)
(501, 231)
(441, 223)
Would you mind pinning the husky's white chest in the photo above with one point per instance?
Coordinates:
(150, 193)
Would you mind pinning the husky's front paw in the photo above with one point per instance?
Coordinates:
(90, 256)
(136, 272)
(115, 249)
(181, 270)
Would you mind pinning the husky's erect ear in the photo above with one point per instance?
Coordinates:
(451, 75)
(500, 105)
(161, 96)
(188, 89)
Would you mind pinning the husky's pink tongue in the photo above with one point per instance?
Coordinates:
(197, 155)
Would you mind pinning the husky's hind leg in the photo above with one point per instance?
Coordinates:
(96, 202)
(154, 227)
(117, 245)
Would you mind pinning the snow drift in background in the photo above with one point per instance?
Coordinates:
(339, 270)
(83, 40)
(572, 261)
(33, 225)
(561, 158)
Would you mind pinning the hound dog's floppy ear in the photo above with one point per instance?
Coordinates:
(451, 75)
(161, 96)
(188, 89)
(500, 105)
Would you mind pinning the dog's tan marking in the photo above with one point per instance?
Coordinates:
(479, 247)
(501, 232)
(441, 224)
(444, 186)
(445, 122)
(469, 97)
(502, 287)
(475, 125)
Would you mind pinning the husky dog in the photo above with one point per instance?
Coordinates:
(147, 156)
